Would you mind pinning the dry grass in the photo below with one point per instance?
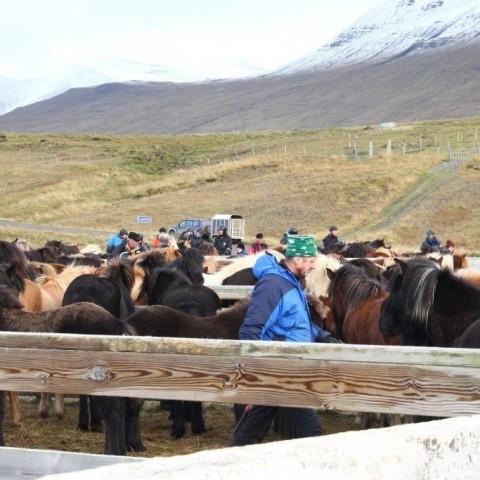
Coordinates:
(274, 179)
(53, 434)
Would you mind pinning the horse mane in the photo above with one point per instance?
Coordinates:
(8, 299)
(161, 279)
(121, 270)
(63, 279)
(356, 285)
(191, 264)
(420, 278)
(368, 266)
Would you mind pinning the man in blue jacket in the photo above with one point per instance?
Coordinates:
(431, 243)
(279, 311)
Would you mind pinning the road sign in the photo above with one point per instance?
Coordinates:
(144, 219)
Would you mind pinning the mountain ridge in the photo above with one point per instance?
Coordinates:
(439, 85)
(403, 61)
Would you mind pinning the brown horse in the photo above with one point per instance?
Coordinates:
(45, 294)
(356, 301)
(80, 318)
(163, 321)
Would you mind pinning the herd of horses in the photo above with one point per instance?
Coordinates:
(366, 295)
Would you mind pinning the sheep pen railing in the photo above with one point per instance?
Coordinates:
(420, 381)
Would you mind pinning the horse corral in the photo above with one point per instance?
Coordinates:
(350, 294)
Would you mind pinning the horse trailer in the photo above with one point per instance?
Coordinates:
(235, 225)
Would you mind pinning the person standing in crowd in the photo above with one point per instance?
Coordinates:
(241, 251)
(279, 311)
(258, 245)
(290, 231)
(331, 243)
(130, 246)
(431, 243)
(448, 248)
(197, 240)
(160, 240)
(116, 240)
(223, 241)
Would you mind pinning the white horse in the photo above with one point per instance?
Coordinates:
(317, 281)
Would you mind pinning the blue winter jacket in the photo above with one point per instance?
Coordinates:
(114, 241)
(279, 308)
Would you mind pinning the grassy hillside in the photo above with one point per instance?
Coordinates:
(306, 178)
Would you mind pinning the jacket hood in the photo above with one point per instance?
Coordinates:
(268, 264)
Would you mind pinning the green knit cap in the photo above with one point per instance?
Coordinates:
(301, 246)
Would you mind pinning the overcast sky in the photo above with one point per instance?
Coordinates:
(40, 36)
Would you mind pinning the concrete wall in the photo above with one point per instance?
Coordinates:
(442, 449)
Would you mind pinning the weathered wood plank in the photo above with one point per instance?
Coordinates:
(233, 292)
(430, 381)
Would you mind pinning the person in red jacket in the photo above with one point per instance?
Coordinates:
(258, 245)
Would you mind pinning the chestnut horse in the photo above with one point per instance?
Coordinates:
(356, 301)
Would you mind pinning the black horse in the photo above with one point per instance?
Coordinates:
(191, 264)
(111, 290)
(171, 287)
(428, 305)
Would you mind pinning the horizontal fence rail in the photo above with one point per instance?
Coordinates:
(423, 381)
(233, 292)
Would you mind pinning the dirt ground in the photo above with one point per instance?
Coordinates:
(54, 434)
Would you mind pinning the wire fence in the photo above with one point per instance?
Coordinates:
(353, 149)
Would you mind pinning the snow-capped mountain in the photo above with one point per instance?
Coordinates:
(395, 29)
(18, 93)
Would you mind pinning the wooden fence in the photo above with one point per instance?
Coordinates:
(423, 381)
(428, 381)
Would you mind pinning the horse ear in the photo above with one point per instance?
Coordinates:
(330, 274)
(401, 263)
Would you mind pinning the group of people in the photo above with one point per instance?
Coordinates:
(125, 243)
